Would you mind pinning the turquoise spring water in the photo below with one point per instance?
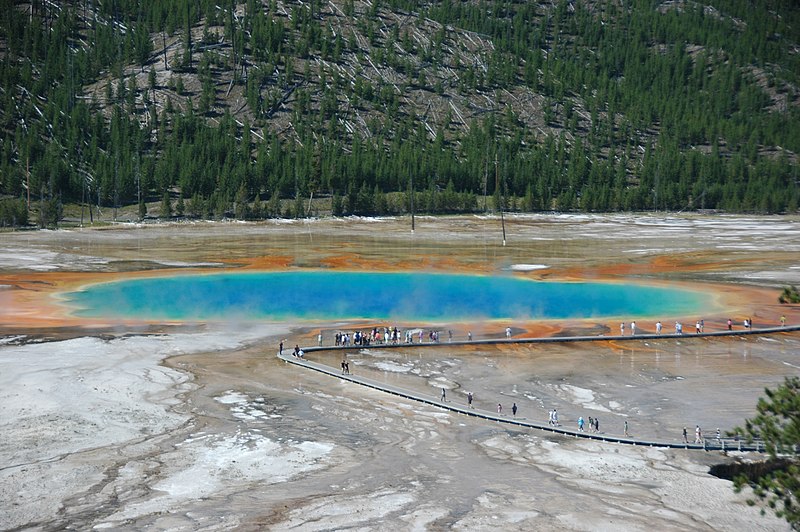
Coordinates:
(326, 295)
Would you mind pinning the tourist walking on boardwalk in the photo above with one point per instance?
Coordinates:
(658, 327)
(719, 435)
(625, 429)
(499, 408)
(508, 332)
(783, 320)
(698, 434)
(633, 328)
(444, 395)
(697, 327)
(730, 324)
(596, 425)
(469, 336)
(678, 328)
(555, 417)
(622, 329)
(580, 423)
(344, 365)
(685, 435)
(319, 339)
(591, 423)
(702, 326)
(280, 348)
(469, 399)
(514, 410)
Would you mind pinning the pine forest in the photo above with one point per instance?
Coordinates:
(294, 108)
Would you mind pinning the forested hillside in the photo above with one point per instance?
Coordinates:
(259, 108)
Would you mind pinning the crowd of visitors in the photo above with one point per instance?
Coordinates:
(385, 336)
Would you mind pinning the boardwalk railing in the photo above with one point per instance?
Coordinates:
(567, 339)
(708, 444)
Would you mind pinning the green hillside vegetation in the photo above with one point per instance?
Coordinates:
(256, 109)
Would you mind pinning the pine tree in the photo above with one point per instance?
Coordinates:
(778, 425)
(166, 205)
(142, 209)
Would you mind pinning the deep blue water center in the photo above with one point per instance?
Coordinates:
(336, 295)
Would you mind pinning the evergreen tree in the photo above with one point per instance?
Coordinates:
(778, 425)
(166, 205)
(142, 209)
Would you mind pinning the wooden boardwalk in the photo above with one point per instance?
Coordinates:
(708, 444)
(571, 339)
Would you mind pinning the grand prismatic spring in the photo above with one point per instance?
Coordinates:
(408, 297)
(180, 420)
